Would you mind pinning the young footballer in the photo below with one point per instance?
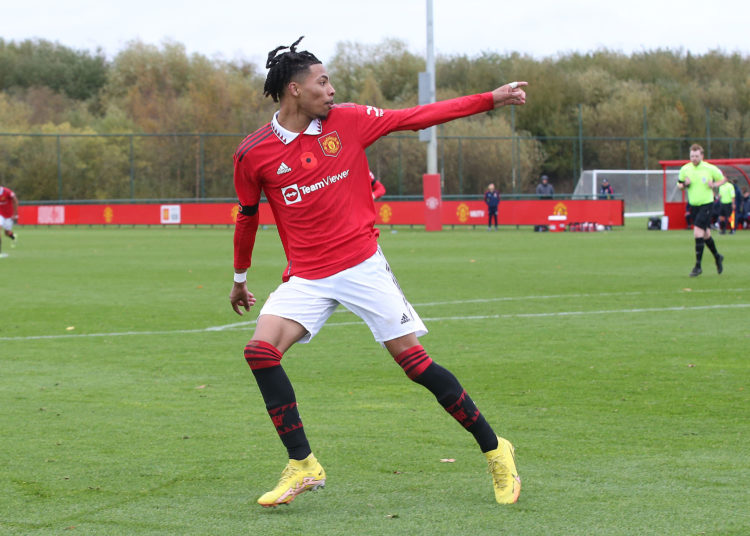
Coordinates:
(8, 214)
(699, 178)
(310, 163)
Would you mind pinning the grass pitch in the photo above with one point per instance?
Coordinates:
(127, 407)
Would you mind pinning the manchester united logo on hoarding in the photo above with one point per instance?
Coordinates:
(462, 212)
(330, 143)
(386, 213)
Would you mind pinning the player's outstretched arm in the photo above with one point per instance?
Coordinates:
(511, 93)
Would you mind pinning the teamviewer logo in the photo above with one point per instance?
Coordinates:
(291, 194)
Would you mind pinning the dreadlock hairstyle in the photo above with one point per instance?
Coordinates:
(284, 67)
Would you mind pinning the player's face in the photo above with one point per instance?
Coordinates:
(696, 157)
(316, 92)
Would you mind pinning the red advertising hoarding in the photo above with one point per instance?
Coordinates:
(515, 212)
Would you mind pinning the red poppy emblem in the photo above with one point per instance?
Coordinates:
(308, 160)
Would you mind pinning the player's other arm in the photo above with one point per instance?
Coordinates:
(245, 230)
(436, 113)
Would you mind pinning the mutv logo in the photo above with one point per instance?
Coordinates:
(291, 194)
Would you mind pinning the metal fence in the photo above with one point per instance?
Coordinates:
(198, 166)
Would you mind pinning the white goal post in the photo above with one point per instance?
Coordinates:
(641, 189)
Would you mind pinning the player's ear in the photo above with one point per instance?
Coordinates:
(294, 89)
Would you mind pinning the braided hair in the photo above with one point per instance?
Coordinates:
(284, 67)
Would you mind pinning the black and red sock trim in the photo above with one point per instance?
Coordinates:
(285, 418)
(260, 355)
(464, 410)
(414, 361)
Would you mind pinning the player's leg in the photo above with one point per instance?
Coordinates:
(371, 291)
(272, 337)
(295, 312)
(6, 224)
(446, 388)
(711, 245)
(701, 230)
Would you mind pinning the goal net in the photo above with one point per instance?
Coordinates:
(642, 190)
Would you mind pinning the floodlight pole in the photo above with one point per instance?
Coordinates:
(432, 143)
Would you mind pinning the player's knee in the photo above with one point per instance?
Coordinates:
(261, 355)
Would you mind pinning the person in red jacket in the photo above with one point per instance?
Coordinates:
(8, 214)
(310, 163)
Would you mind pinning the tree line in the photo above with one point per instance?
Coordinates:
(602, 109)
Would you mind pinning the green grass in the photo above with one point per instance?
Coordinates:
(623, 383)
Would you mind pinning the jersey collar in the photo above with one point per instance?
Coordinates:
(287, 136)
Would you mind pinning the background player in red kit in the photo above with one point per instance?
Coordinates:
(310, 163)
(8, 214)
(378, 188)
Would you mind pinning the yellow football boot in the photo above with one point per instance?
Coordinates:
(297, 477)
(502, 467)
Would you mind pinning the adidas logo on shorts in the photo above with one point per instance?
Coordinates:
(405, 319)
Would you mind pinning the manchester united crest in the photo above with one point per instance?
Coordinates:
(330, 143)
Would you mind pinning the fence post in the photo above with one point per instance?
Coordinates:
(59, 170)
(514, 149)
(132, 169)
(400, 169)
(202, 165)
(580, 139)
(627, 154)
(645, 139)
(460, 167)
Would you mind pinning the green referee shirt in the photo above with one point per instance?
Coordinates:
(699, 192)
(726, 193)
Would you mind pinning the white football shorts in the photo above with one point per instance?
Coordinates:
(6, 223)
(369, 290)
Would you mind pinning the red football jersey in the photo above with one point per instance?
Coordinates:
(318, 182)
(6, 202)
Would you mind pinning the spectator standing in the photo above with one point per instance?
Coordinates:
(492, 199)
(744, 211)
(544, 189)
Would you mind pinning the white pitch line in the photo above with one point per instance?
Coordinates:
(432, 319)
(573, 296)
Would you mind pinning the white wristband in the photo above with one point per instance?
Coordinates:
(240, 278)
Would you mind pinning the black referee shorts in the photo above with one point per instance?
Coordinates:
(701, 215)
(726, 210)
